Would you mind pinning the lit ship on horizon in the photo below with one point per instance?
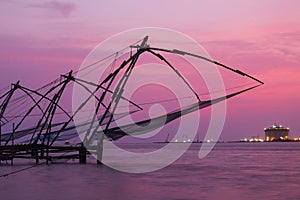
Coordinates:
(276, 133)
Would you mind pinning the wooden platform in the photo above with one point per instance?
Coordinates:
(39, 152)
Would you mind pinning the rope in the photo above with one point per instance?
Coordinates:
(20, 170)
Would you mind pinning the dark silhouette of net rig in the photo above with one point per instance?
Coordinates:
(29, 128)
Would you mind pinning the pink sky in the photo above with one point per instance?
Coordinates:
(42, 39)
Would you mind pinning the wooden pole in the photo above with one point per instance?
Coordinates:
(0, 143)
(0, 134)
(36, 153)
(100, 149)
(82, 154)
(13, 143)
(47, 150)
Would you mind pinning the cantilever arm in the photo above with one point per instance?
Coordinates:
(179, 52)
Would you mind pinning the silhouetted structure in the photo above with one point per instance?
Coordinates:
(45, 104)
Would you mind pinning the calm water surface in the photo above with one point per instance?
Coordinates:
(230, 171)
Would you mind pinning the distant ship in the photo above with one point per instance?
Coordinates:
(277, 133)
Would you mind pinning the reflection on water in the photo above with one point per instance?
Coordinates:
(230, 171)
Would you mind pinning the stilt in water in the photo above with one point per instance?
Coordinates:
(100, 149)
(12, 145)
(82, 154)
(0, 143)
(36, 154)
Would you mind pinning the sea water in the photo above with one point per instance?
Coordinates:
(231, 171)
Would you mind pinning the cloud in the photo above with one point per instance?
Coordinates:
(63, 8)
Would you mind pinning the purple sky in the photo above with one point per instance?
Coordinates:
(42, 39)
